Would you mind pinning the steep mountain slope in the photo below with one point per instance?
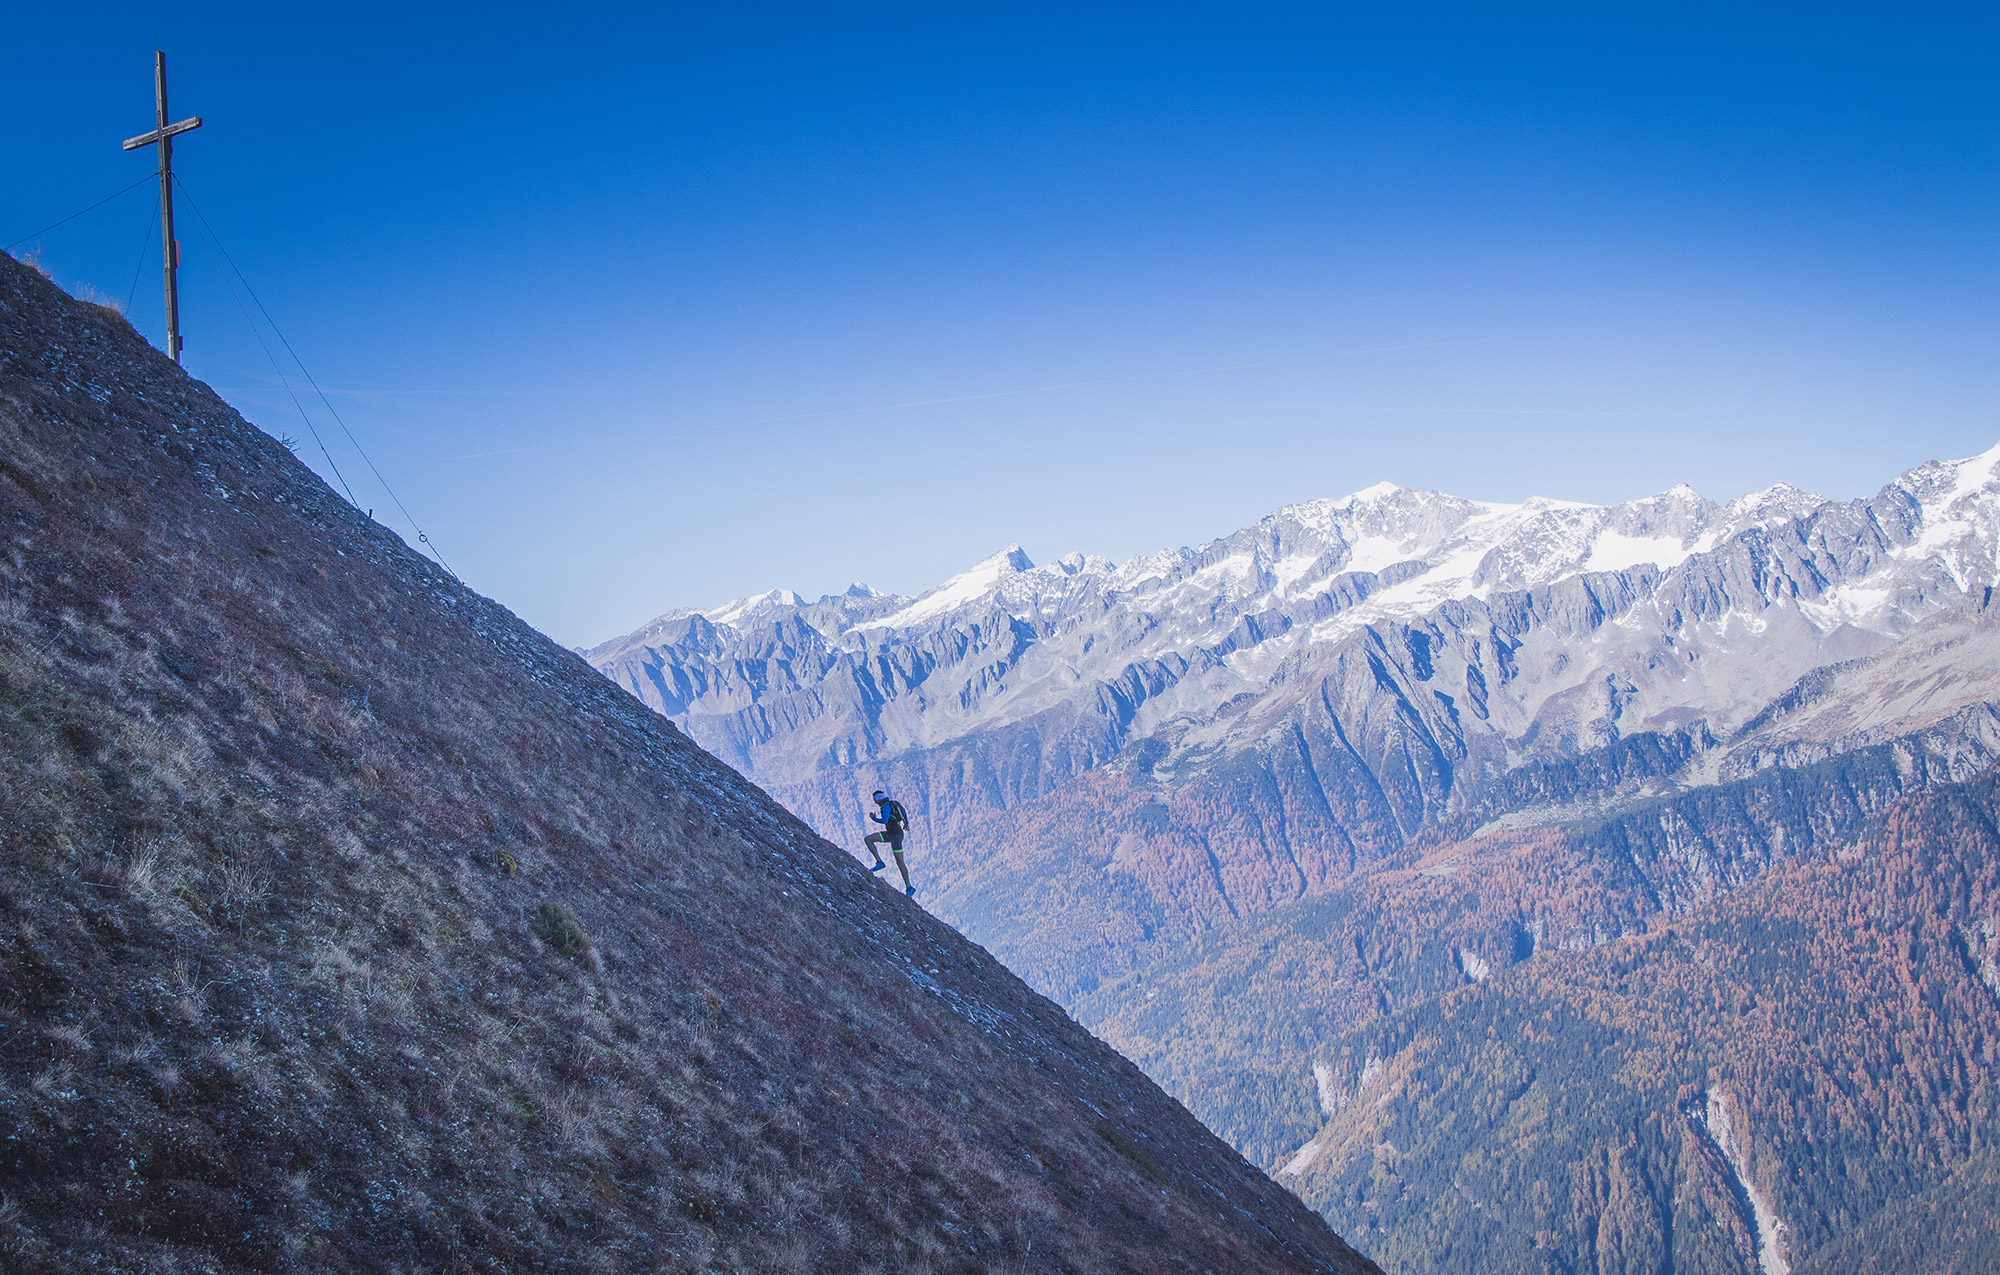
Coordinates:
(351, 925)
(1798, 1077)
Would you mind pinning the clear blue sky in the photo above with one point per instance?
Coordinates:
(655, 306)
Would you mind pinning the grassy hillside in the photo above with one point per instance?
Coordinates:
(348, 924)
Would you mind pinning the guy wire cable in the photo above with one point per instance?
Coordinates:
(282, 379)
(422, 536)
(145, 251)
(81, 211)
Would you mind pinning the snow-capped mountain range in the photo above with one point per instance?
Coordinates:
(1769, 585)
(1214, 731)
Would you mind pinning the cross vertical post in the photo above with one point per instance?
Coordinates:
(170, 248)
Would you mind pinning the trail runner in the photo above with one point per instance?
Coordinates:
(894, 820)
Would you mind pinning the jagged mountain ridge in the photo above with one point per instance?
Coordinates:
(1357, 671)
(352, 925)
(1303, 576)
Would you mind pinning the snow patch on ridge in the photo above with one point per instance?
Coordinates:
(1616, 551)
(731, 612)
(967, 586)
(1379, 491)
(1943, 491)
(1372, 553)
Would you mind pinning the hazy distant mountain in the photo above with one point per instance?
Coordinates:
(1264, 811)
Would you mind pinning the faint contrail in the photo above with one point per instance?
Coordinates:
(1427, 411)
(1122, 380)
(933, 402)
(505, 451)
(1056, 387)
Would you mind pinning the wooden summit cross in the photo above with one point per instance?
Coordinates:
(170, 247)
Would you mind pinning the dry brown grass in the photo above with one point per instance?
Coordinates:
(32, 259)
(91, 295)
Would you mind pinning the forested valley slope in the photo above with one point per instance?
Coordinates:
(349, 924)
(1390, 762)
(1802, 1076)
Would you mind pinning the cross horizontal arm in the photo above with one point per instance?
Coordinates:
(162, 134)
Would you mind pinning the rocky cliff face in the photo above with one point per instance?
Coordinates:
(349, 924)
